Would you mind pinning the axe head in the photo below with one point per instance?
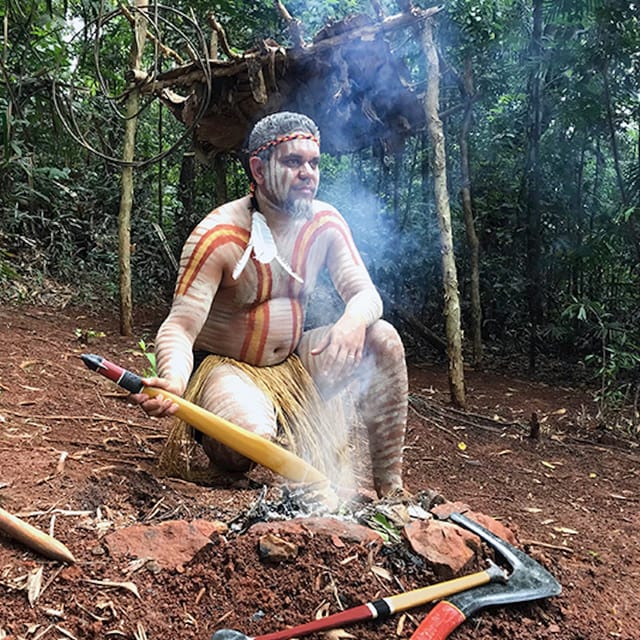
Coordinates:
(528, 579)
(229, 634)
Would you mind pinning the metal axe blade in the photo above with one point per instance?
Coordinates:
(528, 580)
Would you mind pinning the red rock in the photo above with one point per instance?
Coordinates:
(447, 548)
(170, 544)
(443, 511)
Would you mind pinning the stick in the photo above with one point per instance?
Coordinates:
(34, 538)
(247, 443)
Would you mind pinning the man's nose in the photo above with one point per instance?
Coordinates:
(306, 170)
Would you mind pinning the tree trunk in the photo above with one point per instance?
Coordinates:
(126, 193)
(449, 273)
(469, 222)
(532, 187)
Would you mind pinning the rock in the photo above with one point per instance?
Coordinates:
(170, 544)
(447, 548)
(349, 531)
(275, 549)
(443, 511)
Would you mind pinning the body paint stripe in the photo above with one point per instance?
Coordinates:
(259, 317)
(296, 323)
(310, 232)
(206, 245)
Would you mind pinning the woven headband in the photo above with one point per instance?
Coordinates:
(285, 138)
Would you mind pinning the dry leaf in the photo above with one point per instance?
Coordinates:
(382, 573)
(34, 585)
(323, 610)
(61, 461)
(547, 464)
(533, 509)
(565, 530)
(64, 632)
(559, 412)
(129, 586)
(140, 633)
(504, 452)
(400, 625)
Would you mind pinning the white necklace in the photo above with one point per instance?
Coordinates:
(263, 245)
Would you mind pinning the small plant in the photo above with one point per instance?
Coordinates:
(152, 370)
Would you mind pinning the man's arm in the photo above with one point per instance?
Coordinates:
(344, 342)
(200, 275)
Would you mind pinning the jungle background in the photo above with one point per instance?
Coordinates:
(550, 125)
(548, 441)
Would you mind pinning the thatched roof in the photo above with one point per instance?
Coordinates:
(348, 80)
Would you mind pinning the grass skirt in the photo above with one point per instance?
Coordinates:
(309, 426)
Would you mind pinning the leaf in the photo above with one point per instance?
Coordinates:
(129, 586)
(34, 585)
(462, 446)
(533, 509)
(547, 464)
(382, 573)
(565, 530)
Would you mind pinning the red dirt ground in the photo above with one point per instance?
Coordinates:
(571, 497)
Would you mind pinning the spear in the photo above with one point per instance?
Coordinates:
(32, 537)
(248, 444)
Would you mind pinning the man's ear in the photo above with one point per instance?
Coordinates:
(257, 169)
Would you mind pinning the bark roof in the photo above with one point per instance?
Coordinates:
(348, 80)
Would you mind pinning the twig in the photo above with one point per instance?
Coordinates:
(433, 422)
(51, 579)
(224, 43)
(48, 512)
(546, 545)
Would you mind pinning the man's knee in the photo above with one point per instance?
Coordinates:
(384, 341)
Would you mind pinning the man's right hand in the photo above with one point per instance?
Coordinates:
(159, 406)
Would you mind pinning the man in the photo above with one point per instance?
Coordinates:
(246, 272)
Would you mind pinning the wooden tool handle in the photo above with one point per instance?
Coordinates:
(37, 540)
(441, 621)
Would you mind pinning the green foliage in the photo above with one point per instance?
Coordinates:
(617, 362)
(145, 349)
(59, 203)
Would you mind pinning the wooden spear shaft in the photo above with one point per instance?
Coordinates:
(254, 447)
(32, 537)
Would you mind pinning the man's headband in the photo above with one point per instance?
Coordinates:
(286, 138)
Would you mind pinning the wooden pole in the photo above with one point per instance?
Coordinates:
(32, 537)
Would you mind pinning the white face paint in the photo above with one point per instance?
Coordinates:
(292, 175)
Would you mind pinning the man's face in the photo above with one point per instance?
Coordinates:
(292, 175)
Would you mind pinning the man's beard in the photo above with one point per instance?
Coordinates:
(299, 208)
(296, 208)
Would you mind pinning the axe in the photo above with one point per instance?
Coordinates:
(528, 580)
(378, 609)
(250, 445)
(531, 580)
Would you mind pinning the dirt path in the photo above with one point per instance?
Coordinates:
(77, 458)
